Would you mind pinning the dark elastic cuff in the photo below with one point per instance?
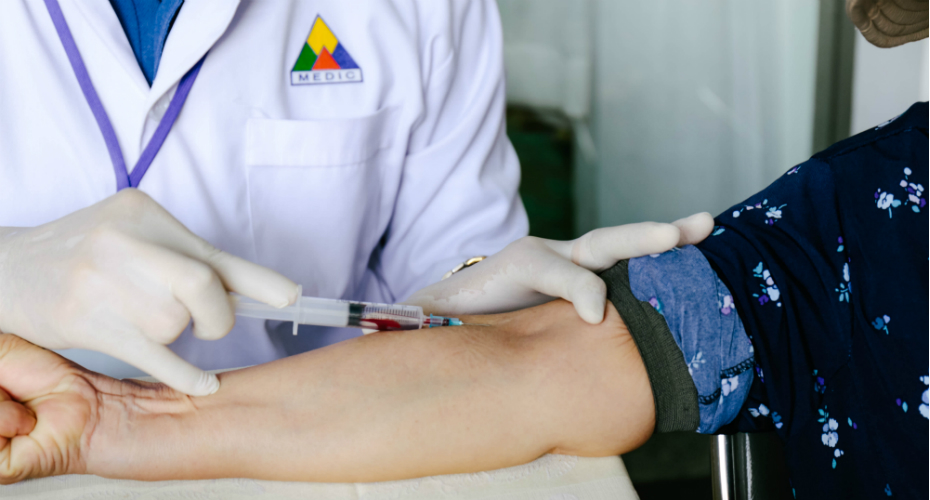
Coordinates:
(673, 391)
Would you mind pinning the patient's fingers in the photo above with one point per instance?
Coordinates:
(15, 419)
(602, 248)
(694, 228)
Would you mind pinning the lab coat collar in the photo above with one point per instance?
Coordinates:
(102, 18)
(199, 25)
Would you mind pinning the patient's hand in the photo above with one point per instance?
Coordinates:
(47, 408)
(52, 409)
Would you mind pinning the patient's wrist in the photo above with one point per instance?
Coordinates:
(137, 431)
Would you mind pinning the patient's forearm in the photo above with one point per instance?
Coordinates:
(396, 405)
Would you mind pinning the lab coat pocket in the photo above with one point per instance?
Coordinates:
(320, 143)
(314, 194)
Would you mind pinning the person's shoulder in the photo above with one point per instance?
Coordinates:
(444, 28)
(913, 120)
(434, 15)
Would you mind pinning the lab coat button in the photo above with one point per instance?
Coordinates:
(160, 108)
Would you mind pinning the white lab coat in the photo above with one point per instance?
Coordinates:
(365, 190)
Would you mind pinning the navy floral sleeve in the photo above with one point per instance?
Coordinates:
(828, 270)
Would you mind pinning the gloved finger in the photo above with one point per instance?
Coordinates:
(237, 275)
(563, 279)
(160, 318)
(197, 287)
(252, 280)
(202, 293)
(694, 228)
(15, 419)
(162, 363)
(602, 248)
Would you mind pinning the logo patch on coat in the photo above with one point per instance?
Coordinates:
(324, 59)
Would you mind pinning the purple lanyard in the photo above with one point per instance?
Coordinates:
(123, 178)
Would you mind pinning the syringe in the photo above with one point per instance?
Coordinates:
(332, 312)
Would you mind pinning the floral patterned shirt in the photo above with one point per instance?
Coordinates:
(828, 271)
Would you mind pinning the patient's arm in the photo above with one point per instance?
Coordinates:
(385, 406)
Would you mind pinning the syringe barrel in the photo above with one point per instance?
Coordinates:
(332, 312)
(249, 308)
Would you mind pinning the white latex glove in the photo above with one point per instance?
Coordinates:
(125, 278)
(531, 271)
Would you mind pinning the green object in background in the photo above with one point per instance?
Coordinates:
(545, 152)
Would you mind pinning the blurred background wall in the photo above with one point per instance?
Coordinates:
(671, 107)
(696, 104)
(887, 81)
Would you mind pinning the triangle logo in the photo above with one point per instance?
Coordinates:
(323, 59)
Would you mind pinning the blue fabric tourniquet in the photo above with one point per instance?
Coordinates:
(699, 311)
(146, 23)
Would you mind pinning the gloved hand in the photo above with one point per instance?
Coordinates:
(531, 271)
(124, 277)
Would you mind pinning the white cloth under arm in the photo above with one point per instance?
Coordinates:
(552, 477)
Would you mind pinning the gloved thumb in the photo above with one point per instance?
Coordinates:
(162, 363)
(601, 248)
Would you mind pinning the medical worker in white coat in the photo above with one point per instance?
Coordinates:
(357, 148)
